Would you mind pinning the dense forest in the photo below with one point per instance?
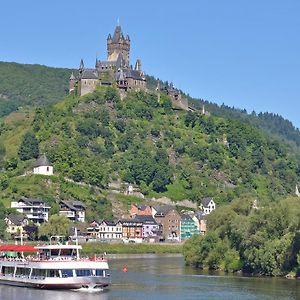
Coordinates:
(271, 123)
(32, 85)
(261, 240)
(97, 139)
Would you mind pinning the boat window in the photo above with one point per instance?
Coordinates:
(8, 270)
(67, 273)
(38, 273)
(80, 273)
(22, 272)
(52, 273)
(99, 272)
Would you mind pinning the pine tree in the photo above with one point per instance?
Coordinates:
(29, 147)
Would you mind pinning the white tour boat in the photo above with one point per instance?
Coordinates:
(52, 267)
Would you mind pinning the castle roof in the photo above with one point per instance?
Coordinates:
(72, 77)
(89, 74)
(118, 34)
(120, 75)
(137, 75)
(42, 161)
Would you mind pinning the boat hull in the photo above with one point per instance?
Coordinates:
(62, 283)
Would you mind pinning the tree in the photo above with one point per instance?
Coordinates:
(3, 226)
(29, 147)
(57, 226)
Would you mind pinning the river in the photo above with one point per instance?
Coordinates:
(166, 277)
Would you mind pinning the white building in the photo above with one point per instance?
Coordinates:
(108, 230)
(43, 166)
(74, 210)
(207, 205)
(36, 210)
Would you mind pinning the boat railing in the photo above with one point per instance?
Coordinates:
(54, 259)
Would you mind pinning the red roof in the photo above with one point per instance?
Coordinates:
(18, 248)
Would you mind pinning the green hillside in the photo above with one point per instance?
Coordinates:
(32, 85)
(97, 139)
(273, 124)
(36, 85)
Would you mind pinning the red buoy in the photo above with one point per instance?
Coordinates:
(125, 269)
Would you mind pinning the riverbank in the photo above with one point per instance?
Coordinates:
(121, 248)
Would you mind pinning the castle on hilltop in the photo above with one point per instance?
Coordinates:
(116, 68)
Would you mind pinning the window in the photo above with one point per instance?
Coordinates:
(38, 273)
(67, 273)
(99, 272)
(81, 273)
(52, 273)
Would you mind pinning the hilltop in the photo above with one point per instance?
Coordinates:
(98, 139)
(36, 85)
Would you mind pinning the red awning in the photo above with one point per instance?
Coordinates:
(18, 248)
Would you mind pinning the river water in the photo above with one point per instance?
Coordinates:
(165, 277)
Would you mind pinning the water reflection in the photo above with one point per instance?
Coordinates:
(164, 277)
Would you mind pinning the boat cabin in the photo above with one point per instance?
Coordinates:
(59, 252)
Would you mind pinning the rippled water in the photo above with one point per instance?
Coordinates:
(165, 277)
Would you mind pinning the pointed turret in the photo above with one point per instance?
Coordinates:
(117, 34)
(138, 65)
(72, 83)
(81, 66)
(72, 77)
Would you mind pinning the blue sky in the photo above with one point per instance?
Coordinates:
(245, 53)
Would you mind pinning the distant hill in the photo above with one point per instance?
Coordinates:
(271, 123)
(32, 85)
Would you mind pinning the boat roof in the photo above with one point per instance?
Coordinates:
(58, 246)
(18, 248)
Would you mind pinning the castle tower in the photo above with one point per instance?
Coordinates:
(72, 83)
(118, 45)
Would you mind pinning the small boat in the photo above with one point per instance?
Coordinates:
(54, 266)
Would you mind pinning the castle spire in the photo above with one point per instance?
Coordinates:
(81, 66)
(117, 34)
(138, 65)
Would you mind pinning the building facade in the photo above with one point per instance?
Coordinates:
(15, 224)
(150, 228)
(132, 230)
(140, 210)
(116, 69)
(169, 219)
(188, 227)
(43, 166)
(207, 205)
(35, 210)
(105, 230)
(73, 210)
